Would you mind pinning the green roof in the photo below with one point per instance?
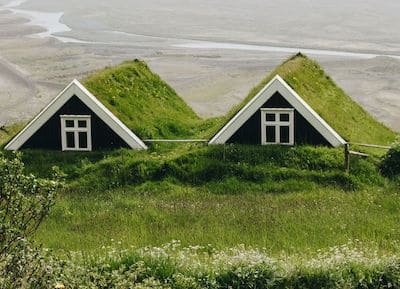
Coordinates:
(342, 113)
(152, 109)
(143, 101)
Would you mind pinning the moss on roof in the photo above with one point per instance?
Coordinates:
(342, 113)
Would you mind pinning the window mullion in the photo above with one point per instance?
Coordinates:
(89, 136)
(76, 137)
(277, 134)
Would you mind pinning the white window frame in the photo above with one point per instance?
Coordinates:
(76, 129)
(277, 124)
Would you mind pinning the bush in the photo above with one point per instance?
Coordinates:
(24, 202)
(390, 164)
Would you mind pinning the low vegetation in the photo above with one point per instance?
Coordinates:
(174, 266)
(284, 198)
(390, 165)
(154, 214)
(218, 169)
(285, 237)
(24, 202)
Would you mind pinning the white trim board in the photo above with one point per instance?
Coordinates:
(277, 84)
(76, 88)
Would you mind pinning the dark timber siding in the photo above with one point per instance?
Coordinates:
(49, 135)
(304, 132)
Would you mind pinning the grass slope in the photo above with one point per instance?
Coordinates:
(346, 116)
(144, 102)
(218, 169)
(282, 198)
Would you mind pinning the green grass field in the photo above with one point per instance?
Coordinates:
(292, 222)
(281, 198)
(290, 201)
(284, 199)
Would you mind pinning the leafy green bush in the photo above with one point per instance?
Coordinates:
(390, 165)
(24, 202)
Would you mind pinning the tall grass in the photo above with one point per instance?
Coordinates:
(293, 222)
(173, 266)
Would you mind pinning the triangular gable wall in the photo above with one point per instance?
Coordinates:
(77, 89)
(277, 84)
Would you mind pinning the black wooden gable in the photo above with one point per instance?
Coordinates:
(48, 136)
(250, 131)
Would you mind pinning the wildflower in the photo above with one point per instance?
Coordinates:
(60, 286)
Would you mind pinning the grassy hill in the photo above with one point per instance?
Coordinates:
(291, 201)
(170, 191)
(346, 116)
(143, 101)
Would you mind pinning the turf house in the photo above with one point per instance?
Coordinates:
(75, 121)
(277, 115)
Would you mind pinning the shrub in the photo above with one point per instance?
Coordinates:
(390, 164)
(24, 202)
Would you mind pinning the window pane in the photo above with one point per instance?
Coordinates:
(82, 123)
(271, 134)
(70, 139)
(83, 140)
(284, 131)
(69, 123)
(284, 117)
(270, 117)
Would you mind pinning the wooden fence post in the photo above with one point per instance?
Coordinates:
(346, 158)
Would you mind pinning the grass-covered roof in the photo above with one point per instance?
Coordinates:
(152, 109)
(143, 101)
(342, 113)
